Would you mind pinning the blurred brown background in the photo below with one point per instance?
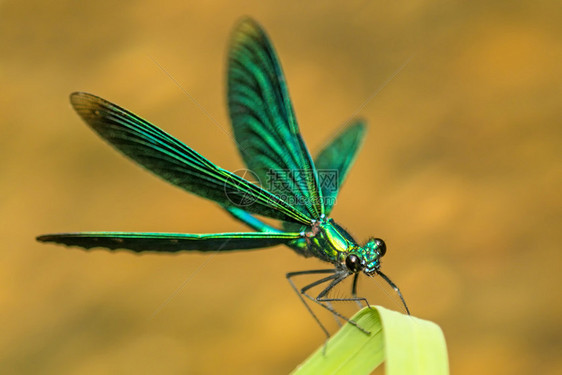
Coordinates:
(460, 174)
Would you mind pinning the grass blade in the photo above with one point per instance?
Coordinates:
(409, 345)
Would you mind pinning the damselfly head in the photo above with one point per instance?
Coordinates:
(372, 252)
(366, 258)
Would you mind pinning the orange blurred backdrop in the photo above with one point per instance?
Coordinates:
(460, 174)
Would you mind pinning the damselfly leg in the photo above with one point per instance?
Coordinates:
(334, 279)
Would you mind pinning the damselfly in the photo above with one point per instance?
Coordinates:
(300, 191)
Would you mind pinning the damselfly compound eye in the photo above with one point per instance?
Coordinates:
(381, 246)
(353, 263)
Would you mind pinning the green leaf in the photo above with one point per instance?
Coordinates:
(409, 345)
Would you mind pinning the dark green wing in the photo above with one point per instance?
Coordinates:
(336, 158)
(265, 126)
(177, 163)
(170, 242)
(333, 163)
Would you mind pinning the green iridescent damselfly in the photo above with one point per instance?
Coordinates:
(300, 191)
